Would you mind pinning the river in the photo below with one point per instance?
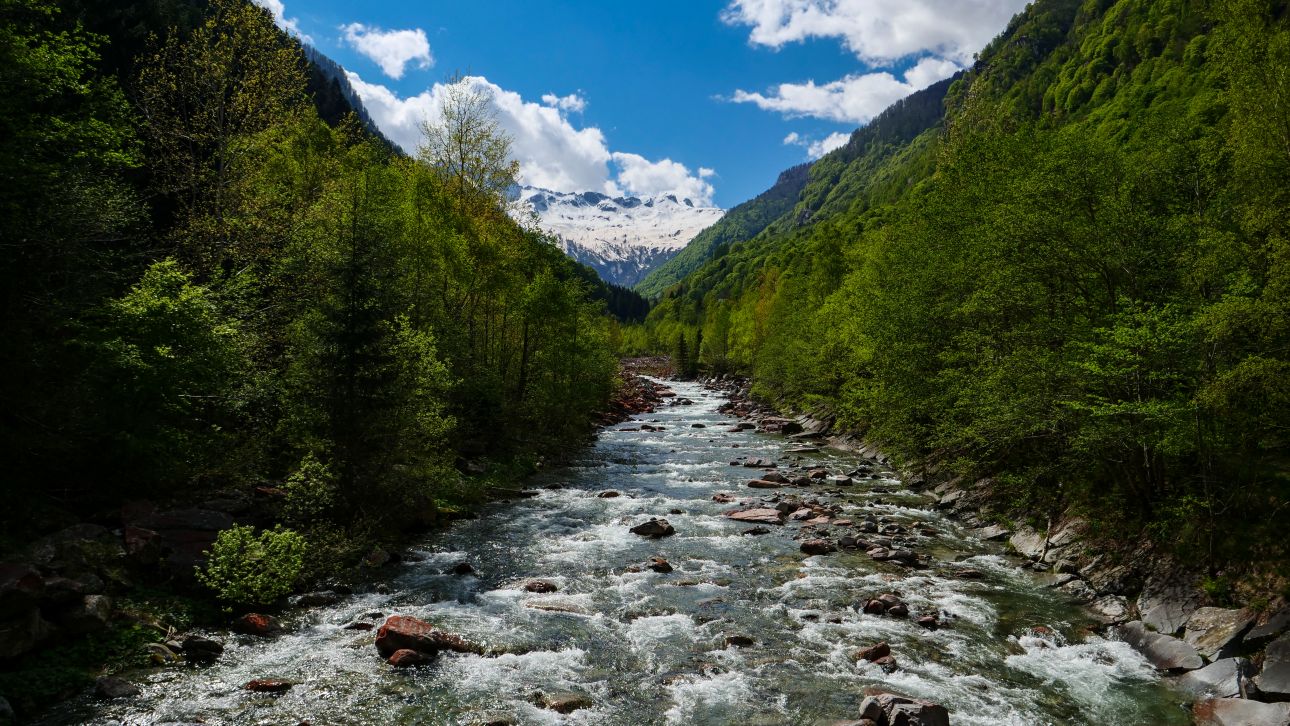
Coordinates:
(650, 648)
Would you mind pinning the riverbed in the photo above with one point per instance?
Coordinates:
(647, 647)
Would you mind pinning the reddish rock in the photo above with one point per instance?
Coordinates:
(873, 652)
(929, 621)
(874, 607)
(541, 587)
(757, 516)
(257, 624)
(764, 484)
(269, 685)
(723, 498)
(402, 631)
(406, 658)
(818, 547)
(658, 564)
(899, 610)
(887, 663)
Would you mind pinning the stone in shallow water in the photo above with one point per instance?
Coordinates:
(757, 516)
(112, 687)
(269, 685)
(655, 528)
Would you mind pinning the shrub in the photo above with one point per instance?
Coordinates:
(311, 491)
(244, 569)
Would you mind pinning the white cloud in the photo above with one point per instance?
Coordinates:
(392, 50)
(818, 147)
(878, 31)
(854, 99)
(573, 102)
(279, 12)
(553, 153)
(645, 178)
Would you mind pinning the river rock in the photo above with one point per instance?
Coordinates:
(1111, 609)
(269, 685)
(658, 564)
(1240, 712)
(565, 702)
(1166, 604)
(763, 484)
(1275, 678)
(873, 652)
(407, 658)
(1027, 542)
(888, 708)
(463, 568)
(1216, 631)
(541, 587)
(200, 649)
(818, 547)
(1165, 652)
(655, 528)
(257, 624)
(610, 494)
(757, 516)
(1220, 679)
(322, 598)
(775, 477)
(991, 533)
(108, 687)
(403, 631)
(739, 641)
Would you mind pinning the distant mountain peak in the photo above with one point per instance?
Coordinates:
(623, 238)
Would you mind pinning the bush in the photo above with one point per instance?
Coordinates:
(311, 492)
(244, 569)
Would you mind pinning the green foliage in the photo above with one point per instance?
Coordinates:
(311, 492)
(243, 569)
(1073, 283)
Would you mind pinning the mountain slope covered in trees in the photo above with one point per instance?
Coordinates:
(1076, 282)
(206, 284)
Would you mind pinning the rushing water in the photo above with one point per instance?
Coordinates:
(649, 648)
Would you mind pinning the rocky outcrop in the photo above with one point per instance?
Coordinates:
(1220, 679)
(889, 709)
(1274, 681)
(1215, 632)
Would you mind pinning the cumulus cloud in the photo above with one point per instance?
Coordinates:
(942, 34)
(645, 178)
(573, 102)
(818, 147)
(853, 99)
(279, 12)
(553, 153)
(392, 50)
(878, 31)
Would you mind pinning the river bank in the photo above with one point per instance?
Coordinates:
(765, 622)
(1232, 662)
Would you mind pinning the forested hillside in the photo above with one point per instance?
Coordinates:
(207, 285)
(1074, 282)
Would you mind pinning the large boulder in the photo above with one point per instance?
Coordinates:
(1215, 632)
(1164, 652)
(403, 631)
(1166, 604)
(654, 528)
(257, 624)
(1220, 679)
(109, 687)
(1275, 678)
(1240, 712)
(1028, 543)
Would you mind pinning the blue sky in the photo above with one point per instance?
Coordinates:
(708, 99)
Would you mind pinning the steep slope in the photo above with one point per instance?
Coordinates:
(1073, 281)
(622, 238)
(741, 223)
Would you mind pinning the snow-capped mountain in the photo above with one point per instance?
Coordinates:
(623, 238)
